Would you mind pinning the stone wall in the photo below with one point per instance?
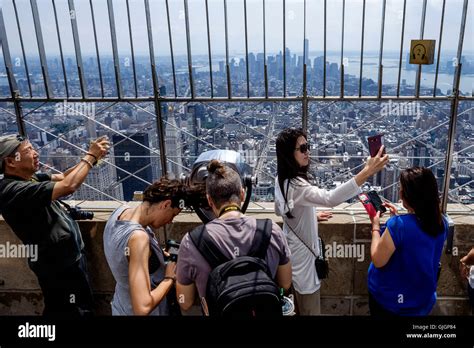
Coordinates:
(343, 293)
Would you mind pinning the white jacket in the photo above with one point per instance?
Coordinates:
(302, 201)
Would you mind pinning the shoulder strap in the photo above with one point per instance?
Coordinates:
(261, 241)
(301, 240)
(206, 246)
(214, 256)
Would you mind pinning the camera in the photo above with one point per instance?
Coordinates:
(172, 247)
(78, 214)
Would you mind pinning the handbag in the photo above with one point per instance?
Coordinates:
(321, 263)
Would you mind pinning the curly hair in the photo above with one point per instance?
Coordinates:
(180, 194)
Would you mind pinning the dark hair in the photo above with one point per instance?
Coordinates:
(223, 184)
(165, 189)
(287, 167)
(420, 191)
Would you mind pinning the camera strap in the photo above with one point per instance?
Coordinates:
(64, 204)
(228, 208)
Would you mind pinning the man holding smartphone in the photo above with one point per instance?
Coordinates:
(28, 203)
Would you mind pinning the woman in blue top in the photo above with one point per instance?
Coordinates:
(403, 274)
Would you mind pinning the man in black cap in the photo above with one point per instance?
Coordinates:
(28, 203)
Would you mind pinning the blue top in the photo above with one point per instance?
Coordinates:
(116, 236)
(406, 285)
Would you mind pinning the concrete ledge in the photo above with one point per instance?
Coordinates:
(343, 293)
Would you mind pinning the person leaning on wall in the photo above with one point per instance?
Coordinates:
(29, 204)
(403, 274)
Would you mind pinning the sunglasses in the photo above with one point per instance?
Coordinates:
(303, 148)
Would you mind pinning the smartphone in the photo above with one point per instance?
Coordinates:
(372, 203)
(172, 247)
(376, 201)
(375, 142)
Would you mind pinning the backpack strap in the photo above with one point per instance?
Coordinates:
(211, 252)
(261, 240)
(206, 246)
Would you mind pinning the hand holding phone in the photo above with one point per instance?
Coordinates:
(376, 201)
(372, 203)
(375, 143)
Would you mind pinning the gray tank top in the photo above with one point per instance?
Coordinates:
(116, 236)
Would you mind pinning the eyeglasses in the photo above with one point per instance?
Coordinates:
(303, 148)
(20, 138)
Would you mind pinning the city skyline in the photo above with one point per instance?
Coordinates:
(416, 131)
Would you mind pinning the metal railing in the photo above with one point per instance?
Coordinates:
(305, 98)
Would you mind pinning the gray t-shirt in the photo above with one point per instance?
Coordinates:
(234, 238)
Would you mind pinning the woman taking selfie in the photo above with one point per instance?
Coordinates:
(134, 255)
(296, 200)
(403, 274)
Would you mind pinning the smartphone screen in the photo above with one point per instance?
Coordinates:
(369, 207)
(376, 201)
(375, 142)
(372, 203)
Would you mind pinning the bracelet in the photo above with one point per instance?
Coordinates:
(375, 230)
(172, 278)
(88, 162)
(92, 155)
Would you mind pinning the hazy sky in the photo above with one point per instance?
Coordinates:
(235, 12)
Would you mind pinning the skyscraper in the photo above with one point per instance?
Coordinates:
(222, 67)
(390, 182)
(101, 184)
(306, 52)
(343, 127)
(135, 159)
(252, 63)
(174, 147)
(91, 126)
(192, 114)
(420, 155)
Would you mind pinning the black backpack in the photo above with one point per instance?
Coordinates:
(241, 286)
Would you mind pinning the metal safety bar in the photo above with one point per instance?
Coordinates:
(159, 99)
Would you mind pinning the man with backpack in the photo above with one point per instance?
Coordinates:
(237, 264)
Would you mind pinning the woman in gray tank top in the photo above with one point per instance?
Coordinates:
(134, 255)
